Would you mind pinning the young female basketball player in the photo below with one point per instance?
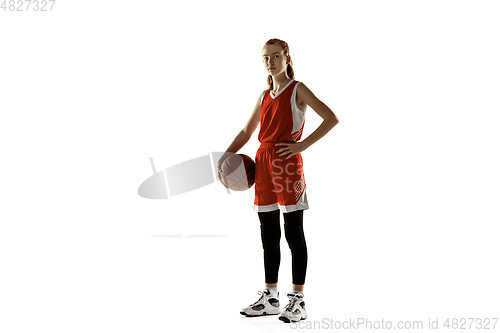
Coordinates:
(279, 177)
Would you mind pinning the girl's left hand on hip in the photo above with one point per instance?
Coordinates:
(290, 148)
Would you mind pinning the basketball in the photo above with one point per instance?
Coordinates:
(238, 172)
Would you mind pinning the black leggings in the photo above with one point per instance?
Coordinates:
(271, 235)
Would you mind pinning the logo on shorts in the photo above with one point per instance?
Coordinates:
(287, 177)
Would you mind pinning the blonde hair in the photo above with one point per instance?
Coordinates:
(289, 68)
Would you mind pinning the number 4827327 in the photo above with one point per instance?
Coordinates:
(27, 5)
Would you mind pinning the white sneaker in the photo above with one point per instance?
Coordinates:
(295, 310)
(265, 305)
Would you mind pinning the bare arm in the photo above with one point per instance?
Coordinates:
(245, 134)
(329, 118)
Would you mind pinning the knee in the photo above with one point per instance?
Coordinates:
(295, 237)
(270, 237)
(270, 244)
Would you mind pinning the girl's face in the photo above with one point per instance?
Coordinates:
(274, 60)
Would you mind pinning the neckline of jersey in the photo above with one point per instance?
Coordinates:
(282, 89)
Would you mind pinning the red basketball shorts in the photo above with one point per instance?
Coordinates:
(279, 182)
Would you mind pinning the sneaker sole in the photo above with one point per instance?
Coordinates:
(286, 320)
(259, 315)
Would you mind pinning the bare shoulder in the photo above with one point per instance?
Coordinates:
(303, 94)
(306, 96)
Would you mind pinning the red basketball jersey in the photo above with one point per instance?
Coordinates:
(281, 119)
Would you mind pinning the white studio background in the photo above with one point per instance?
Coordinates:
(403, 192)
